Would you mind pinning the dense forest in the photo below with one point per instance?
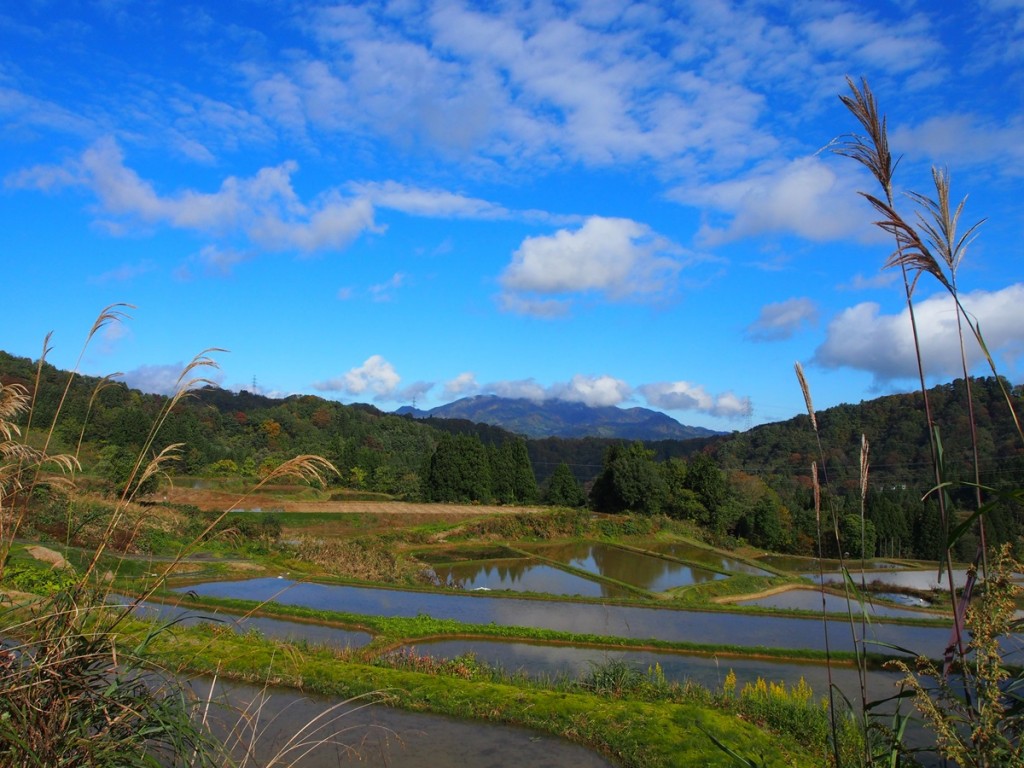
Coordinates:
(752, 487)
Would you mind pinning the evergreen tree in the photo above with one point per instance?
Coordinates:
(524, 482)
(630, 481)
(458, 471)
(563, 489)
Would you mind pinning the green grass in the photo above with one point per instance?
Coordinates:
(634, 733)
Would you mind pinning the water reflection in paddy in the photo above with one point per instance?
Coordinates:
(537, 660)
(693, 553)
(554, 662)
(382, 736)
(811, 600)
(651, 573)
(523, 575)
(923, 580)
(618, 620)
(278, 629)
(797, 564)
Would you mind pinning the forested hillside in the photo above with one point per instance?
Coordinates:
(753, 486)
(900, 459)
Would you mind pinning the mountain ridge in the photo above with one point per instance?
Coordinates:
(562, 418)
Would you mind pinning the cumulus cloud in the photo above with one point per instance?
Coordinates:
(782, 319)
(375, 376)
(605, 390)
(805, 197)
(461, 386)
(527, 389)
(617, 258)
(597, 391)
(864, 338)
(590, 390)
(264, 208)
(685, 396)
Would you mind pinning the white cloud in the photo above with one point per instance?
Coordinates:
(618, 258)
(965, 140)
(782, 319)
(375, 376)
(220, 261)
(164, 379)
(433, 203)
(263, 208)
(905, 46)
(463, 385)
(546, 308)
(125, 272)
(685, 396)
(524, 388)
(863, 338)
(805, 197)
(594, 391)
(536, 85)
(412, 392)
(386, 291)
(882, 279)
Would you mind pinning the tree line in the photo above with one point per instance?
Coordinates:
(752, 486)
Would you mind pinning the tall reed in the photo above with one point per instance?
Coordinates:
(74, 689)
(973, 705)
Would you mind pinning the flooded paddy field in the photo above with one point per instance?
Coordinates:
(653, 574)
(801, 599)
(681, 626)
(523, 574)
(361, 733)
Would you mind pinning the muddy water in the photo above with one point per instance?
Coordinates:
(651, 573)
(372, 735)
(622, 621)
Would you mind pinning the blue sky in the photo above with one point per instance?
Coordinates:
(617, 203)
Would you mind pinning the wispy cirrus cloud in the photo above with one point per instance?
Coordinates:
(966, 140)
(162, 379)
(780, 320)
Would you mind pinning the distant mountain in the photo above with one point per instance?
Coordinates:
(561, 418)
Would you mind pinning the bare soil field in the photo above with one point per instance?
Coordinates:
(353, 516)
(218, 501)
